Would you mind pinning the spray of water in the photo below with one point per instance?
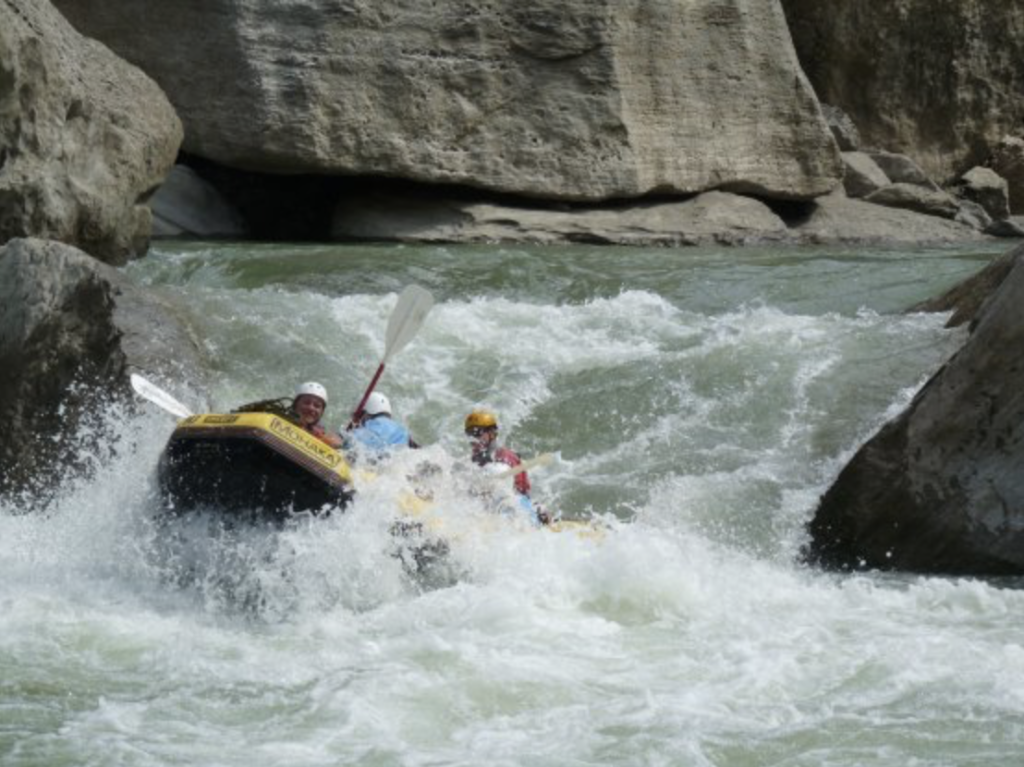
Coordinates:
(680, 629)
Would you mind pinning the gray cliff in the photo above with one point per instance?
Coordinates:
(571, 100)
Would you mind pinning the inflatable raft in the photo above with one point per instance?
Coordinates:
(252, 464)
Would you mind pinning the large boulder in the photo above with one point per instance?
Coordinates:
(84, 137)
(941, 82)
(940, 489)
(553, 99)
(71, 329)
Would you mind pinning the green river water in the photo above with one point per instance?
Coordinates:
(698, 402)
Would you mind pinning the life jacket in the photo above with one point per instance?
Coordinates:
(507, 457)
(382, 434)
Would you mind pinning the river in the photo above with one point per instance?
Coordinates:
(698, 402)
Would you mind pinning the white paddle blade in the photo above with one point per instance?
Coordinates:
(150, 391)
(413, 305)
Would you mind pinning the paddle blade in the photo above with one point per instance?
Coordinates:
(413, 305)
(150, 391)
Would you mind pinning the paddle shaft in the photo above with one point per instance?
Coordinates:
(362, 403)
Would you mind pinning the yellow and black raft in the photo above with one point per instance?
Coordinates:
(252, 464)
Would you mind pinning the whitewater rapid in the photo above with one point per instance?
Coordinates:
(697, 408)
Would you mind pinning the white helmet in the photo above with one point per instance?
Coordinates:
(376, 404)
(312, 387)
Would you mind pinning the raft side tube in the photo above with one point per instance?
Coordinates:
(256, 462)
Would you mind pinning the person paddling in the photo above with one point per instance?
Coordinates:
(377, 430)
(309, 405)
(481, 427)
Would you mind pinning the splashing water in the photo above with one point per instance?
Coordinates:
(698, 403)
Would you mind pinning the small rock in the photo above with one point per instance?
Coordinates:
(987, 188)
(862, 176)
(902, 170)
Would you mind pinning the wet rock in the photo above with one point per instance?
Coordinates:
(940, 488)
(965, 299)
(578, 100)
(84, 137)
(71, 329)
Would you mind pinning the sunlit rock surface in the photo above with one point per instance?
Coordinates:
(941, 82)
(571, 100)
(84, 137)
(838, 218)
(713, 217)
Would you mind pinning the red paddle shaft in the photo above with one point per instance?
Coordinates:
(362, 403)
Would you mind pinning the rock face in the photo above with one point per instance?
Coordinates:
(952, 106)
(839, 218)
(84, 136)
(187, 206)
(1008, 162)
(940, 489)
(71, 328)
(710, 218)
(558, 99)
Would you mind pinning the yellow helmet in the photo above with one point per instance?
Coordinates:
(481, 419)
